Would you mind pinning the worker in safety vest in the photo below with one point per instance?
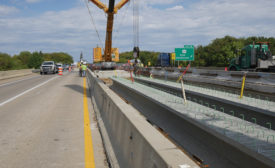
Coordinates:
(84, 68)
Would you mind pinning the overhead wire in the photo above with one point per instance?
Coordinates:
(116, 32)
(136, 23)
(93, 22)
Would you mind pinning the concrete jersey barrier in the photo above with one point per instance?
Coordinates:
(14, 73)
(134, 141)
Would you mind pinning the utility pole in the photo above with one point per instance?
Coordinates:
(136, 33)
(81, 56)
(136, 29)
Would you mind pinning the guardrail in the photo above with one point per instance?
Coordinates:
(15, 73)
(128, 136)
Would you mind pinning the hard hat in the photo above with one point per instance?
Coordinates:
(84, 63)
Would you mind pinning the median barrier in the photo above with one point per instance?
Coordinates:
(131, 141)
(14, 73)
(110, 73)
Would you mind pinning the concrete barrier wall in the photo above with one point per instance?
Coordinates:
(111, 73)
(134, 141)
(14, 73)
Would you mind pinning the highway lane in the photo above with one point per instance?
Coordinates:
(44, 127)
(11, 89)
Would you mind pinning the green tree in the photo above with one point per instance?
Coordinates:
(36, 60)
(221, 50)
(22, 60)
(125, 56)
(59, 57)
(144, 56)
(5, 62)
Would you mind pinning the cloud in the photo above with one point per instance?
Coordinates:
(160, 29)
(178, 7)
(155, 2)
(204, 21)
(6, 10)
(32, 1)
(68, 30)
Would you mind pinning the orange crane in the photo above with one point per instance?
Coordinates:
(111, 10)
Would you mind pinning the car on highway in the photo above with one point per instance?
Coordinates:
(57, 67)
(64, 67)
(67, 66)
(48, 67)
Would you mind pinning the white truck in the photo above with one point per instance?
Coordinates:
(48, 67)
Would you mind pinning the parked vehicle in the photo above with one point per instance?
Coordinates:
(57, 67)
(254, 57)
(163, 59)
(48, 67)
(67, 66)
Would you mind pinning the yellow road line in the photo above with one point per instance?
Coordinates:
(89, 152)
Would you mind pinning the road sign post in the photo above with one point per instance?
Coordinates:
(173, 56)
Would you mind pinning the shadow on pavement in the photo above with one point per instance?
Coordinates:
(78, 88)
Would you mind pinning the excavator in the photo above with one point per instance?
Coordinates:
(110, 11)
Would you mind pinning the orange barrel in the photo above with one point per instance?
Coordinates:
(59, 70)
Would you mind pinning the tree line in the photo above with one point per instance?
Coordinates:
(144, 56)
(26, 59)
(221, 50)
(218, 53)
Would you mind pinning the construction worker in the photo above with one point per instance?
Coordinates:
(84, 68)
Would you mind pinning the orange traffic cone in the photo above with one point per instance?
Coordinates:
(60, 71)
(70, 68)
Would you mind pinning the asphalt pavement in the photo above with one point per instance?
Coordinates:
(42, 123)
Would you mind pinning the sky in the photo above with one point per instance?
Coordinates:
(67, 26)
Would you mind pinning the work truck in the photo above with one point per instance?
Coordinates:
(254, 57)
(48, 67)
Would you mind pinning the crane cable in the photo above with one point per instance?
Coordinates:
(93, 22)
(136, 23)
(116, 32)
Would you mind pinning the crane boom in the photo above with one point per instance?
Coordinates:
(100, 5)
(109, 32)
(110, 21)
(120, 5)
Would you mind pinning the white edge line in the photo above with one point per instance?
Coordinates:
(17, 81)
(11, 99)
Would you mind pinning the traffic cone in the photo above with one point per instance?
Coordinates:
(70, 68)
(60, 71)
(225, 69)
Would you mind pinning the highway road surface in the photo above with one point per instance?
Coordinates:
(48, 122)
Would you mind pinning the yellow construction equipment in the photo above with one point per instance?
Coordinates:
(98, 57)
(115, 55)
(97, 53)
(111, 10)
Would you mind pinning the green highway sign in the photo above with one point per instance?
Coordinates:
(185, 54)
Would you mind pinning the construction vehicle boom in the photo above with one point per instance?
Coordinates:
(111, 10)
